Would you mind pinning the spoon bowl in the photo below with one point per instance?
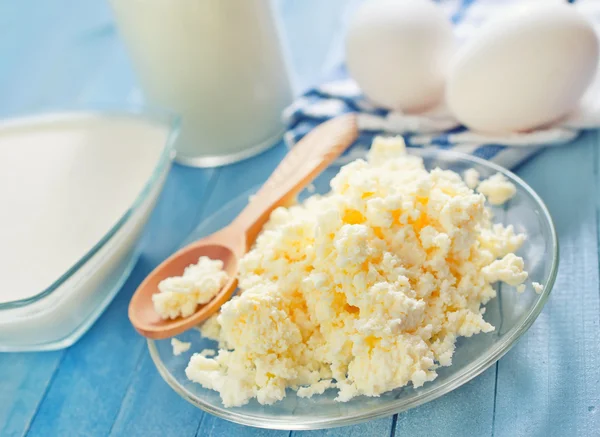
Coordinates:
(301, 165)
(141, 309)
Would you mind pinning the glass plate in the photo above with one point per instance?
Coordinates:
(511, 313)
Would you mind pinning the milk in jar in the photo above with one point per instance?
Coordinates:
(219, 64)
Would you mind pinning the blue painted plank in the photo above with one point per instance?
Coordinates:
(235, 179)
(466, 411)
(151, 407)
(179, 209)
(380, 428)
(212, 426)
(92, 375)
(549, 384)
(23, 383)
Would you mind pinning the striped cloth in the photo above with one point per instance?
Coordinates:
(340, 95)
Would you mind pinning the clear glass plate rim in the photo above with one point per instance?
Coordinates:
(477, 367)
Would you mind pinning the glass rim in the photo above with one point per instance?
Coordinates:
(471, 371)
(60, 113)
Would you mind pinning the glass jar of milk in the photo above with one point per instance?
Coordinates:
(219, 64)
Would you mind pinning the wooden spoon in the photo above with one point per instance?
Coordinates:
(301, 165)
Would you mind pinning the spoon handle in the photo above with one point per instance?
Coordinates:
(301, 165)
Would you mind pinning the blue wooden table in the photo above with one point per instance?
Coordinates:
(55, 52)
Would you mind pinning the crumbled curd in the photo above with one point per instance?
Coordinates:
(471, 177)
(180, 295)
(497, 189)
(179, 346)
(365, 289)
(208, 352)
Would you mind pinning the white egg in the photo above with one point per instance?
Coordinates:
(398, 51)
(524, 69)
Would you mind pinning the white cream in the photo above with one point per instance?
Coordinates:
(64, 183)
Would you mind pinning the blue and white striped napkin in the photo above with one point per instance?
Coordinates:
(340, 95)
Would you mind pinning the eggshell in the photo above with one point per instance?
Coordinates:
(524, 69)
(398, 51)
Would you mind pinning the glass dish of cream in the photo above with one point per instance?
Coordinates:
(76, 189)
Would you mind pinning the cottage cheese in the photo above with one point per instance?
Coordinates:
(471, 177)
(179, 346)
(497, 189)
(509, 269)
(211, 328)
(537, 287)
(208, 352)
(365, 289)
(180, 295)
